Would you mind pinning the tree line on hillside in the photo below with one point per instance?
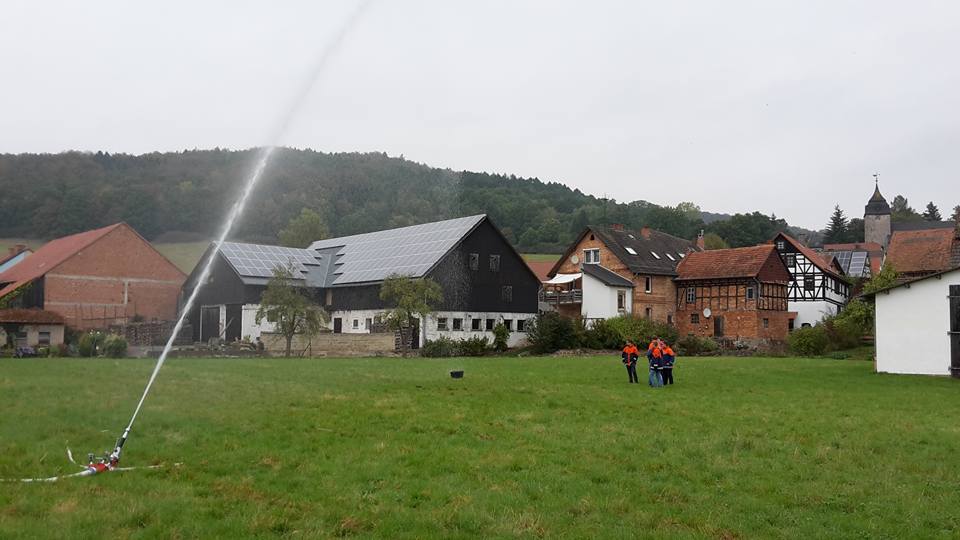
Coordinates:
(164, 194)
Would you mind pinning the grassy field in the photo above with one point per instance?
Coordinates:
(535, 447)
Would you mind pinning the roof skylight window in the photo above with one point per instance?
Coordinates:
(669, 256)
(655, 255)
(631, 251)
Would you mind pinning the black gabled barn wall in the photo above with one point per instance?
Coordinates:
(225, 287)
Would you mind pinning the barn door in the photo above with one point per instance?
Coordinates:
(337, 325)
(234, 316)
(718, 326)
(955, 331)
(209, 322)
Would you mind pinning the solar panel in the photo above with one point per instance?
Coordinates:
(254, 260)
(858, 263)
(408, 250)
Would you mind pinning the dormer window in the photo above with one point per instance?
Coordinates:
(631, 251)
(591, 256)
(655, 256)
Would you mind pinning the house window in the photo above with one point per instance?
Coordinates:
(356, 324)
(648, 284)
(458, 324)
(490, 324)
(521, 325)
(749, 293)
(44, 338)
(809, 283)
(691, 295)
(474, 261)
(494, 263)
(621, 299)
(791, 260)
(506, 293)
(441, 323)
(591, 256)
(670, 320)
(509, 324)
(766, 323)
(780, 245)
(694, 318)
(475, 324)
(648, 313)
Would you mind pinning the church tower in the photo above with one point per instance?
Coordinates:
(876, 219)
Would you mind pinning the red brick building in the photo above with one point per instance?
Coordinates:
(739, 294)
(647, 258)
(96, 278)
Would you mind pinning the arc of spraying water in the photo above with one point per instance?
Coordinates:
(236, 210)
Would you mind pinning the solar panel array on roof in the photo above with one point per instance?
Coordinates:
(254, 260)
(843, 259)
(858, 264)
(408, 251)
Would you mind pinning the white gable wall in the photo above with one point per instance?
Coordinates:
(912, 326)
(600, 300)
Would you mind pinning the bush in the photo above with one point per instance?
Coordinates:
(440, 347)
(695, 345)
(62, 350)
(810, 341)
(500, 336)
(475, 346)
(115, 346)
(602, 335)
(90, 343)
(616, 331)
(550, 332)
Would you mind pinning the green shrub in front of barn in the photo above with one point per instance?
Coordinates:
(809, 341)
(115, 346)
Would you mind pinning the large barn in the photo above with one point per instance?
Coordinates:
(95, 279)
(483, 278)
(918, 326)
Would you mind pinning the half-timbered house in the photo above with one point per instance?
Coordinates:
(738, 294)
(817, 289)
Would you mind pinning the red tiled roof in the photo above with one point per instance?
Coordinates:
(48, 257)
(743, 262)
(541, 269)
(30, 316)
(811, 255)
(922, 250)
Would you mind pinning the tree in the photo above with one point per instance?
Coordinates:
(713, 241)
(411, 300)
(303, 230)
(932, 213)
(956, 214)
(287, 306)
(886, 277)
(837, 228)
(901, 210)
(855, 230)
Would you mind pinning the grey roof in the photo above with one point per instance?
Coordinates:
(606, 276)
(653, 252)
(921, 225)
(877, 205)
(254, 263)
(411, 251)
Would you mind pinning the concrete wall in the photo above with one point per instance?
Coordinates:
(331, 344)
(600, 301)
(912, 325)
(118, 276)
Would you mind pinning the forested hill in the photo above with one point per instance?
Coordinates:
(50, 195)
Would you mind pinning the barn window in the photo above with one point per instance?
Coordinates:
(766, 323)
(494, 263)
(506, 293)
(591, 256)
(475, 324)
(509, 324)
(474, 261)
(694, 318)
(43, 338)
(458, 324)
(356, 324)
(691, 295)
(648, 284)
(521, 325)
(490, 324)
(749, 293)
(441, 323)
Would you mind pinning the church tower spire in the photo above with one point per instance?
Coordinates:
(876, 217)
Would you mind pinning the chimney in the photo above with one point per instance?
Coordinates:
(616, 226)
(700, 244)
(645, 232)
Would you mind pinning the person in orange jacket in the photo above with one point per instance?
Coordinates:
(655, 356)
(669, 357)
(630, 356)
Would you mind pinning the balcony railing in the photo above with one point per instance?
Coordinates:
(562, 297)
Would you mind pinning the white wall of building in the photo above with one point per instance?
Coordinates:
(517, 339)
(912, 326)
(811, 311)
(600, 300)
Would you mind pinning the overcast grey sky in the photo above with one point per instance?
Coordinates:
(785, 107)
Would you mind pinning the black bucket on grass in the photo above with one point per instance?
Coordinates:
(456, 374)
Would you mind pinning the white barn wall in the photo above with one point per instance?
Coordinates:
(600, 301)
(912, 325)
(516, 339)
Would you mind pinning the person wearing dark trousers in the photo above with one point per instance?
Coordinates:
(668, 359)
(655, 355)
(630, 356)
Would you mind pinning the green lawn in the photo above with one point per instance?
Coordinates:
(521, 447)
